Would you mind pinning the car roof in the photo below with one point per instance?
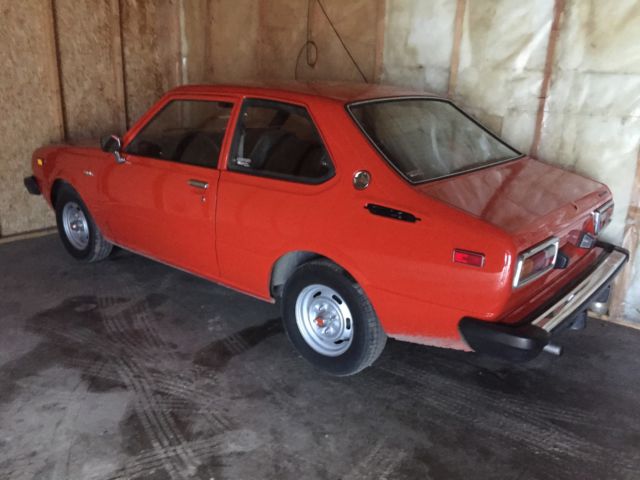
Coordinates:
(342, 92)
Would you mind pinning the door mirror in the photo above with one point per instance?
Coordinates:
(112, 144)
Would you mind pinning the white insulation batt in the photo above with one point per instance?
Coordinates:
(591, 121)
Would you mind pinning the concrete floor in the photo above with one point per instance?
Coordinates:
(130, 369)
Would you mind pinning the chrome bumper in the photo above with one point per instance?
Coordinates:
(580, 296)
(532, 334)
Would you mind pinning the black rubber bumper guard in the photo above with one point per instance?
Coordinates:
(31, 185)
(533, 334)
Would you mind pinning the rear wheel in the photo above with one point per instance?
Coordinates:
(78, 232)
(329, 319)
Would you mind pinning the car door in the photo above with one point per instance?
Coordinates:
(277, 175)
(161, 201)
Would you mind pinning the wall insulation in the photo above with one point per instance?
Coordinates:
(496, 63)
(418, 44)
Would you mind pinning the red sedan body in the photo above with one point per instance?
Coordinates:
(249, 232)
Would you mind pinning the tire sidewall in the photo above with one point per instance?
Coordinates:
(350, 361)
(65, 196)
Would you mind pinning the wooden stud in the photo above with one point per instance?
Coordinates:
(123, 64)
(51, 27)
(554, 33)
(380, 31)
(461, 6)
(118, 66)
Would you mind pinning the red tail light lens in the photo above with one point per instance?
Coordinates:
(535, 262)
(468, 258)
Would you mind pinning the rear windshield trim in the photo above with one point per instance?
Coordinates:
(431, 99)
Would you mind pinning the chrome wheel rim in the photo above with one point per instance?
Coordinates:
(75, 224)
(324, 320)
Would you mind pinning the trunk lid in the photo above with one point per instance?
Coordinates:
(526, 198)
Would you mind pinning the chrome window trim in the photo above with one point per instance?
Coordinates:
(517, 281)
(597, 213)
(433, 98)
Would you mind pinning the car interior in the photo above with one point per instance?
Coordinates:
(282, 143)
(185, 132)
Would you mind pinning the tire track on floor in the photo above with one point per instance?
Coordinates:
(501, 419)
(146, 463)
(383, 459)
(158, 424)
(176, 383)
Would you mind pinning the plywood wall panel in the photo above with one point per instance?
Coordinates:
(356, 22)
(233, 41)
(91, 65)
(253, 40)
(31, 114)
(151, 40)
(282, 33)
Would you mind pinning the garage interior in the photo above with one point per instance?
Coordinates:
(130, 369)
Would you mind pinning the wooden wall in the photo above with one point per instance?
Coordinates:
(228, 41)
(31, 109)
(78, 69)
(75, 70)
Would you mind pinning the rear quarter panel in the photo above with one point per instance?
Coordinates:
(406, 269)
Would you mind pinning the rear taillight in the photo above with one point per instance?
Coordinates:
(535, 262)
(602, 217)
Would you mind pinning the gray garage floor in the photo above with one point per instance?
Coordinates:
(130, 369)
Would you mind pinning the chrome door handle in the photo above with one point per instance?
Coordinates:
(199, 184)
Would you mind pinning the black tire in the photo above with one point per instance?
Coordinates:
(97, 248)
(368, 338)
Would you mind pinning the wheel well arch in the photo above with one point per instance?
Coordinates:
(55, 189)
(284, 267)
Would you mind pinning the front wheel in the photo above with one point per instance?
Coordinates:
(329, 319)
(79, 233)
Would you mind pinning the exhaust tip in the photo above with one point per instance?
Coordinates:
(599, 308)
(553, 349)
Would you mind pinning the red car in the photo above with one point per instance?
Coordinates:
(370, 211)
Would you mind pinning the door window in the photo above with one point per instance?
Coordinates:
(184, 131)
(279, 140)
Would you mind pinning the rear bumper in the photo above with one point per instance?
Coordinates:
(31, 185)
(526, 340)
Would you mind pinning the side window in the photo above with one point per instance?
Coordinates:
(279, 140)
(184, 131)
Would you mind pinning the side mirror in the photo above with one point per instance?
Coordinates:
(112, 144)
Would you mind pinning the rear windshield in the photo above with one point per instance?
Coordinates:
(425, 139)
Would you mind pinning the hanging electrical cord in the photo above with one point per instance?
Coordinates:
(311, 47)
